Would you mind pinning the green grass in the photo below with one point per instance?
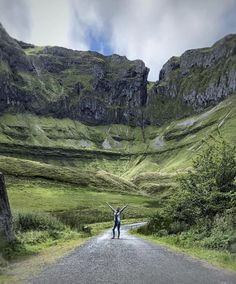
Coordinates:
(92, 178)
(50, 173)
(51, 148)
(35, 195)
(4, 69)
(221, 259)
(34, 50)
(73, 206)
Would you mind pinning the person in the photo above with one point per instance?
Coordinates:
(117, 219)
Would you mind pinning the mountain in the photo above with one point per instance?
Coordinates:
(99, 90)
(93, 120)
(60, 82)
(194, 81)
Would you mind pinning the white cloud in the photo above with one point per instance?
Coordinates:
(154, 30)
(50, 22)
(151, 30)
(15, 17)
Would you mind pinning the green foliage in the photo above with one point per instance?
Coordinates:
(222, 235)
(28, 222)
(208, 189)
(37, 231)
(34, 51)
(203, 208)
(33, 237)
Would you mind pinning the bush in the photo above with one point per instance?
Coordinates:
(37, 222)
(209, 188)
(3, 263)
(222, 234)
(203, 208)
(33, 237)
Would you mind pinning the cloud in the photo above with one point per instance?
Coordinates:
(14, 15)
(49, 22)
(154, 30)
(151, 30)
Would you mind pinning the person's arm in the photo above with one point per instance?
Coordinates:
(123, 208)
(111, 207)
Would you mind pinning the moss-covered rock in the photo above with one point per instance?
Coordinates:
(97, 89)
(197, 79)
(81, 85)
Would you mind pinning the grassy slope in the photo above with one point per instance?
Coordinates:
(50, 171)
(65, 200)
(113, 157)
(76, 181)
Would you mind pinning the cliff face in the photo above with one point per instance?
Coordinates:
(97, 89)
(197, 79)
(59, 82)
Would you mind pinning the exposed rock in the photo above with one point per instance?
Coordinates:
(85, 143)
(25, 45)
(6, 228)
(106, 144)
(158, 142)
(97, 89)
(60, 82)
(197, 79)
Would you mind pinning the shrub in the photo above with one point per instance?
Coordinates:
(222, 234)
(209, 188)
(33, 237)
(203, 207)
(38, 222)
(3, 263)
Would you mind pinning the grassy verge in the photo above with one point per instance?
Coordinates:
(28, 265)
(221, 259)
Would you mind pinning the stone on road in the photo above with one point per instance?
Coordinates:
(130, 260)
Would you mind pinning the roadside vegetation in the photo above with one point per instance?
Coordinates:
(51, 214)
(202, 212)
(60, 172)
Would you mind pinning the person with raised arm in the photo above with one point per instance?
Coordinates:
(117, 219)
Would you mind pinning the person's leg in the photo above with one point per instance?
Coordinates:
(113, 230)
(118, 229)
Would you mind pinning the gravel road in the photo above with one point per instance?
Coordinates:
(130, 260)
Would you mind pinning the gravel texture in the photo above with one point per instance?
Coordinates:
(130, 260)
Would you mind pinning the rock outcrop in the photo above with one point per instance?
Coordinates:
(60, 82)
(97, 89)
(197, 79)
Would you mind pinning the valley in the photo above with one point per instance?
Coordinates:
(78, 129)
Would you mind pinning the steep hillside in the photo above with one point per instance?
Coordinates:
(102, 90)
(92, 120)
(197, 79)
(60, 82)
(115, 157)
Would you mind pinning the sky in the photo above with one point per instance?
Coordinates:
(151, 30)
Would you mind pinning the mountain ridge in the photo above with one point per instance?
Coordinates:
(145, 144)
(99, 90)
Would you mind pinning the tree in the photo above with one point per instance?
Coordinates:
(204, 192)
(210, 182)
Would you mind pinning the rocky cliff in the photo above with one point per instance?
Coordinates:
(59, 82)
(97, 89)
(197, 79)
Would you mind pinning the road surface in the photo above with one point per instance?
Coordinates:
(130, 260)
